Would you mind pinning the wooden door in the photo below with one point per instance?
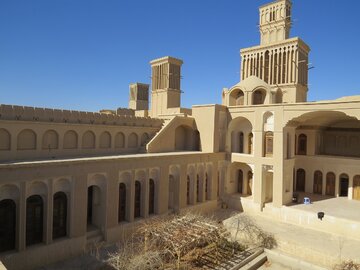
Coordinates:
(7, 225)
(34, 220)
(152, 195)
(122, 203)
(330, 184)
(356, 188)
(300, 180)
(137, 209)
(317, 189)
(344, 186)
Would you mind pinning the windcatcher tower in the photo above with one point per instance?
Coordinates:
(165, 86)
(280, 61)
(139, 96)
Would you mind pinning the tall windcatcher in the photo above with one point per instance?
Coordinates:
(165, 85)
(280, 61)
(139, 96)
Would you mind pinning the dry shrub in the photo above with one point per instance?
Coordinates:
(176, 242)
(347, 265)
(130, 255)
(251, 234)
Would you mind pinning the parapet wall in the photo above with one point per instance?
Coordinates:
(23, 113)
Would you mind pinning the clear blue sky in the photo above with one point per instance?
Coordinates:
(82, 54)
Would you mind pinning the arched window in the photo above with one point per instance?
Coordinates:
(330, 184)
(137, 209)
(317, 189)
(302, 144)
(5, 139)
(34, 220)
(70, 140)
(105, 140)
(250, 143)
(259, 97)
(240, 181)
(269, 143)
(88, 140)
(26, 140)
(188, 190)
(50, 140)
(122, 203)
(241, 142)
(300, 180)
(133, 140)
(120, 140)
(59, 215)
(151, 196)
(7, 225)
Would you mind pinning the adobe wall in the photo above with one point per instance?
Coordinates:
(47, 177)
(33, 133)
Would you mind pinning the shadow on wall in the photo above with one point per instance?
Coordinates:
(187, 139)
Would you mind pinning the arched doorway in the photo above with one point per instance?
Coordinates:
(59, 215)
(330, 184)
(34, 220)
(300, 180)
(317, 188)
(7, 225)
(137, 208)
(240, 181)
(344, 185)
(122, 203)
(249, 183)
(151, 196)
(356, 187)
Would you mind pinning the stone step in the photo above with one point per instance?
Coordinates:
(255, 263)
(93, 233)
(244, 265)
